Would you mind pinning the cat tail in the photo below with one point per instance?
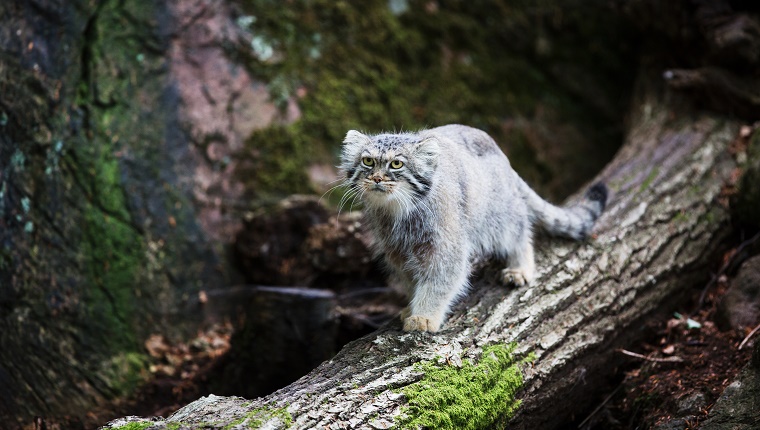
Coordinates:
(575, 221)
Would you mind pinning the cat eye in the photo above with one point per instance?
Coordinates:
(367, 161)
(396, 164)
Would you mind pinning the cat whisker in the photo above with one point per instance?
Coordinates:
(409, 205)
(428, 211)
(339, 179)
(359, 196)
(332, 189)
(412, 203)
(351, 193)
(402, 198)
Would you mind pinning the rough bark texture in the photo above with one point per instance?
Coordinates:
(664, 219)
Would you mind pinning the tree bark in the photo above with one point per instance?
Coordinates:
(665, 219)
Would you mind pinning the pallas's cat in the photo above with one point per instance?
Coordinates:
(437, 200)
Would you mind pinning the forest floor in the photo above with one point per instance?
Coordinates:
(678, 370)
(182, 373)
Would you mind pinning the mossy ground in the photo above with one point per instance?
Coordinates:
(474, 396)
(526, 73)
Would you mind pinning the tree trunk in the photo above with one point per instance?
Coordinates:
(664, 221)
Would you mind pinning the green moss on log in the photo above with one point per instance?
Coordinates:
(135, 426)
(255, 419)
(648, 180)
(473, 396)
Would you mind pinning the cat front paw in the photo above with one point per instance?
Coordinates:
(516, 277)
(418, 323)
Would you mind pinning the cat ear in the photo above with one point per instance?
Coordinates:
(427, 151)
(353, 145)
(355, 137)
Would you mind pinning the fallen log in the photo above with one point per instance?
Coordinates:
(530, 357)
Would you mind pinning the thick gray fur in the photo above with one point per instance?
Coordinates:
(454, 199)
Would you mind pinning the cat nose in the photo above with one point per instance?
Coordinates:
(377, 179)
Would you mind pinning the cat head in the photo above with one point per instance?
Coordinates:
(392, 171)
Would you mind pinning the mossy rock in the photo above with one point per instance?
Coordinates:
(98, 242)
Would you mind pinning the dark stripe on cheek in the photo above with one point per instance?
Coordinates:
(356, 174)
(420, 184)
(423, 180)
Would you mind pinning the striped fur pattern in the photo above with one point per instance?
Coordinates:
(438, 199)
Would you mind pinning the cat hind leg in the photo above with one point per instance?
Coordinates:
(521, 269)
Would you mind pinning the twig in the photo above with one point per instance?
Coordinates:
(752, 333)
(375, 290)
(674, 359)
(722, 270)
(364, 319)
(601, 405)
